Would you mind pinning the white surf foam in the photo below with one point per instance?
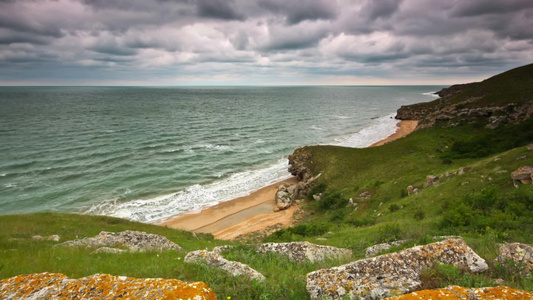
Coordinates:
(195, 197)
(377, 130)
(432, 94)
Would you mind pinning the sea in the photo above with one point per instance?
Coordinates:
(150, 153)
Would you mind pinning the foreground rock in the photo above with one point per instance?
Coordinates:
(520, 253)
(100, 286)
(214, 260)
(302, 251)
(457, 292)
(391, 274)
(135, 241)
(376, 249)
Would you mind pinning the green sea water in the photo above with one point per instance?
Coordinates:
(147, 154)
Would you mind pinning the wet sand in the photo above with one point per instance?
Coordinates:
(255, 212)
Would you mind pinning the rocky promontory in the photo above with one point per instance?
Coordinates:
(499, 100)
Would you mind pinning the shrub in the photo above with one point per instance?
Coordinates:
(389, 233)
(394, 207)
(419, 215)
(317, 189)
(332, 201)
(360, 222)
(446, 161)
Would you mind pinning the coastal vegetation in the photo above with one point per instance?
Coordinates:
(459, 169)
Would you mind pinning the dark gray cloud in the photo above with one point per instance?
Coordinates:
(219, 9)
(297, 11)
(260, 41)
(380, 9)
(483, 7)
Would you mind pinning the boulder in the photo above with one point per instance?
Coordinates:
(214, 260)
(410, 190)
(458, 292)
(523, 174)
(390, 274)
(135, 241)
(520, 253)
(100, 286)
(284, 196)
(302, 251)
(108, 250)
(431, 180)
(376, 249)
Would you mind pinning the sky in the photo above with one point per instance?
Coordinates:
(261, 42)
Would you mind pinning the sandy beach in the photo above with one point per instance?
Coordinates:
(254, 212)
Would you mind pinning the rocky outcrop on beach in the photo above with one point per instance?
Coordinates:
(134, 241)
(284, 196)
(100, 286)
(304, 251)
(521, 254)
(215, 260)
(457, 292)
(391, 274)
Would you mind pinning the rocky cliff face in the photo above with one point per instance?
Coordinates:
(297, 164)
(457, 113)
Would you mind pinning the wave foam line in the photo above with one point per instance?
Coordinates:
(193, 198)
(379, 129)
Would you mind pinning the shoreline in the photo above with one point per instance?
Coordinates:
(256, 211)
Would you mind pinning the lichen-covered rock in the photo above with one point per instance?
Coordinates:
(302, 251)
(376, 249)
(108, 250)
(390, 274)
(135, 241)
(457, 292)
(100, 286)
(523, 174)
(214, 260)
(520, 253)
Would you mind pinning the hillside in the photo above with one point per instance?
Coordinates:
(502, 99)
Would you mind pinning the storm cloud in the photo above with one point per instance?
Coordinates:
(270, 42)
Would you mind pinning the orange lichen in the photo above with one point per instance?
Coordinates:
(457, 292)
(101, 286)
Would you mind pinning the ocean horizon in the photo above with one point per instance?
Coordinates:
(151, 153)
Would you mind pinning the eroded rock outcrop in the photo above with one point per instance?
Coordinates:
(100, 286)
(302, 251)
(135, 241)
(523, 175)
(284, 196)
(215, 260)
(520, 253)
(457, 292)
(391, 274)
(297, 164)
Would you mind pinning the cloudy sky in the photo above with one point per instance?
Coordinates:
(261, 42)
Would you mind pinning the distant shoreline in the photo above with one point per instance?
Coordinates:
(254, 212)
